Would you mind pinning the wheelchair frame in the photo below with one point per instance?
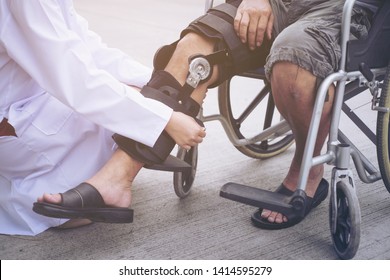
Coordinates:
(352, 78)
(364, 64)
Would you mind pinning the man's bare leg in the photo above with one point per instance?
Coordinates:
(191, 44)
(294, 91)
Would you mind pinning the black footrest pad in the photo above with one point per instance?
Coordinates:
(171, 163)
(256, 197)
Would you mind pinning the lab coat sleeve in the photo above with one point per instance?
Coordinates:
(55, 56)
(121, 66)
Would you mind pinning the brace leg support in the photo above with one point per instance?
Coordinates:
(164, 88)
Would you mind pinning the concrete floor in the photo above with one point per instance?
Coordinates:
(202, 226)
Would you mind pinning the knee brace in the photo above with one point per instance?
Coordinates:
(166, 89)
(231, 57)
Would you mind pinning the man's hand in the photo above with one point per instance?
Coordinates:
(254, 20)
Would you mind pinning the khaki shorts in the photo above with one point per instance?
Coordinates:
(307, 34)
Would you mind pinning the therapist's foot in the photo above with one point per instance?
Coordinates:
(113, 181)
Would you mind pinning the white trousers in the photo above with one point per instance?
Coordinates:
(55, 150)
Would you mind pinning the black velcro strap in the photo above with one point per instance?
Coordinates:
(152, 93)
(163, 56)
(227, 9)
(188, 106)
(224, 28)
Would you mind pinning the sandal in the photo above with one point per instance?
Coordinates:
(74, 223)
(319, 196)
(84, 202)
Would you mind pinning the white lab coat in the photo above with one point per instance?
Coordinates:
(65, 92)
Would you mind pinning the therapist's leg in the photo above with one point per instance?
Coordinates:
(113, 181)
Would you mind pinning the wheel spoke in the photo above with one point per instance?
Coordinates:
(240, 118)
(252, 106)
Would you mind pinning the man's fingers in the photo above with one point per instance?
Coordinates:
(270, 26)
(243, 28)
(253, 32)
(262, 28)
(237, 21)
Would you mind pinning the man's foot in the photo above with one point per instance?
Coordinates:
(267, 219)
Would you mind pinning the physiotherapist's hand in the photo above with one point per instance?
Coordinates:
(185, 130)
(253, 21)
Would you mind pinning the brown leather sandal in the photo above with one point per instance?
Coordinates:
(84, 202)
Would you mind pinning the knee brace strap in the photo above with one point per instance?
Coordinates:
(164, 88)
(142, 153)
(218, 23)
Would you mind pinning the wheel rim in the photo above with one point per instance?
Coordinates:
(238, 120)
(346, 236)
(342, 237)
(183, 181)
(383, 132)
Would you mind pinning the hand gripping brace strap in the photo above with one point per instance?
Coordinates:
(164, 88)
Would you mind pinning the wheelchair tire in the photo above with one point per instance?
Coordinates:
(346, 239)
(183, 181)
(261, 150)
(382, 132)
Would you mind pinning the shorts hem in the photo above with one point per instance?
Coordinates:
(302, 59)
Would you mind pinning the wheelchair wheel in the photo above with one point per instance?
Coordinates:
(182, 181)
(257, 114)
(382, 132)
(346, 238)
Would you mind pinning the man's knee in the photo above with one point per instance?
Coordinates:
(195, 42)
(289, 78)
(289, 73)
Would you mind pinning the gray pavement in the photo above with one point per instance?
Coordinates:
(201, 226)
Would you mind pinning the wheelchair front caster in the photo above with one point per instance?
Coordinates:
(345, 219)
(183, 181)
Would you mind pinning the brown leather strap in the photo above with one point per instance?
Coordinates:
(83, 196)
(6, 129)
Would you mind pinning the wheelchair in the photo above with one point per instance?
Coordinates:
(364, 65)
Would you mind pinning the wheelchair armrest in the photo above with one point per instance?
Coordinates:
(373, 51)
(258, 73)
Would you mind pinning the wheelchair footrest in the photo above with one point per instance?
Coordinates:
(290, 206)
(171, 163)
